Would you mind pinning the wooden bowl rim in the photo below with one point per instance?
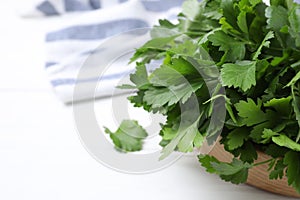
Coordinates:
(258, 176)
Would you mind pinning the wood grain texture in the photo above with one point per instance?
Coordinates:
(258, 176)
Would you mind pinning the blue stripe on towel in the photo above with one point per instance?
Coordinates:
(47, 8)
(95, 4)
(91, 52)
(49, 64)
(76, 5)
(96, 31)
(161, 5)
(73, 81)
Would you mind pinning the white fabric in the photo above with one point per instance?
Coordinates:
(78, 36)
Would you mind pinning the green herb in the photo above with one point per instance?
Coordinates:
(249, 48)
(128, 137)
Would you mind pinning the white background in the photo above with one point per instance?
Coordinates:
(41, 156)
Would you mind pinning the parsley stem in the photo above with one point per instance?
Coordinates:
(263, 162)
(246, 41)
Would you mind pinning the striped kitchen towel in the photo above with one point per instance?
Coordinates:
(92, 47)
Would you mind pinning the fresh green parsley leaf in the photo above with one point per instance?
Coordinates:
(268, 134)
(239, 75)
(294, 19)
(140, 77)
(230, 13)
(277, 17)
(276, 151)
(292, 160)
(153, 48)
(251, 112)
(242, 22)
(198, 140)
(129, 136)
(190, 9)
(237, 137)
(233, 48)
(278, 171)
(235, 172)
(294, 80)
(173, 73)
(159, 97)
(206, 161)
(285, 141)
(296, 105)
(265, 43)
(185, 134)
(253, 50)
(282, 105)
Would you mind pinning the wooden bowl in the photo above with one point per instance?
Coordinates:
(258, 176)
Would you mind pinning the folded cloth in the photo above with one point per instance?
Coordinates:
(38, 8)
(87, 34)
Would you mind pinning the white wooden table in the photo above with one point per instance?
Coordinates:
(41, 156)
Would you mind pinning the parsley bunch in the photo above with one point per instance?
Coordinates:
(245, 46)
